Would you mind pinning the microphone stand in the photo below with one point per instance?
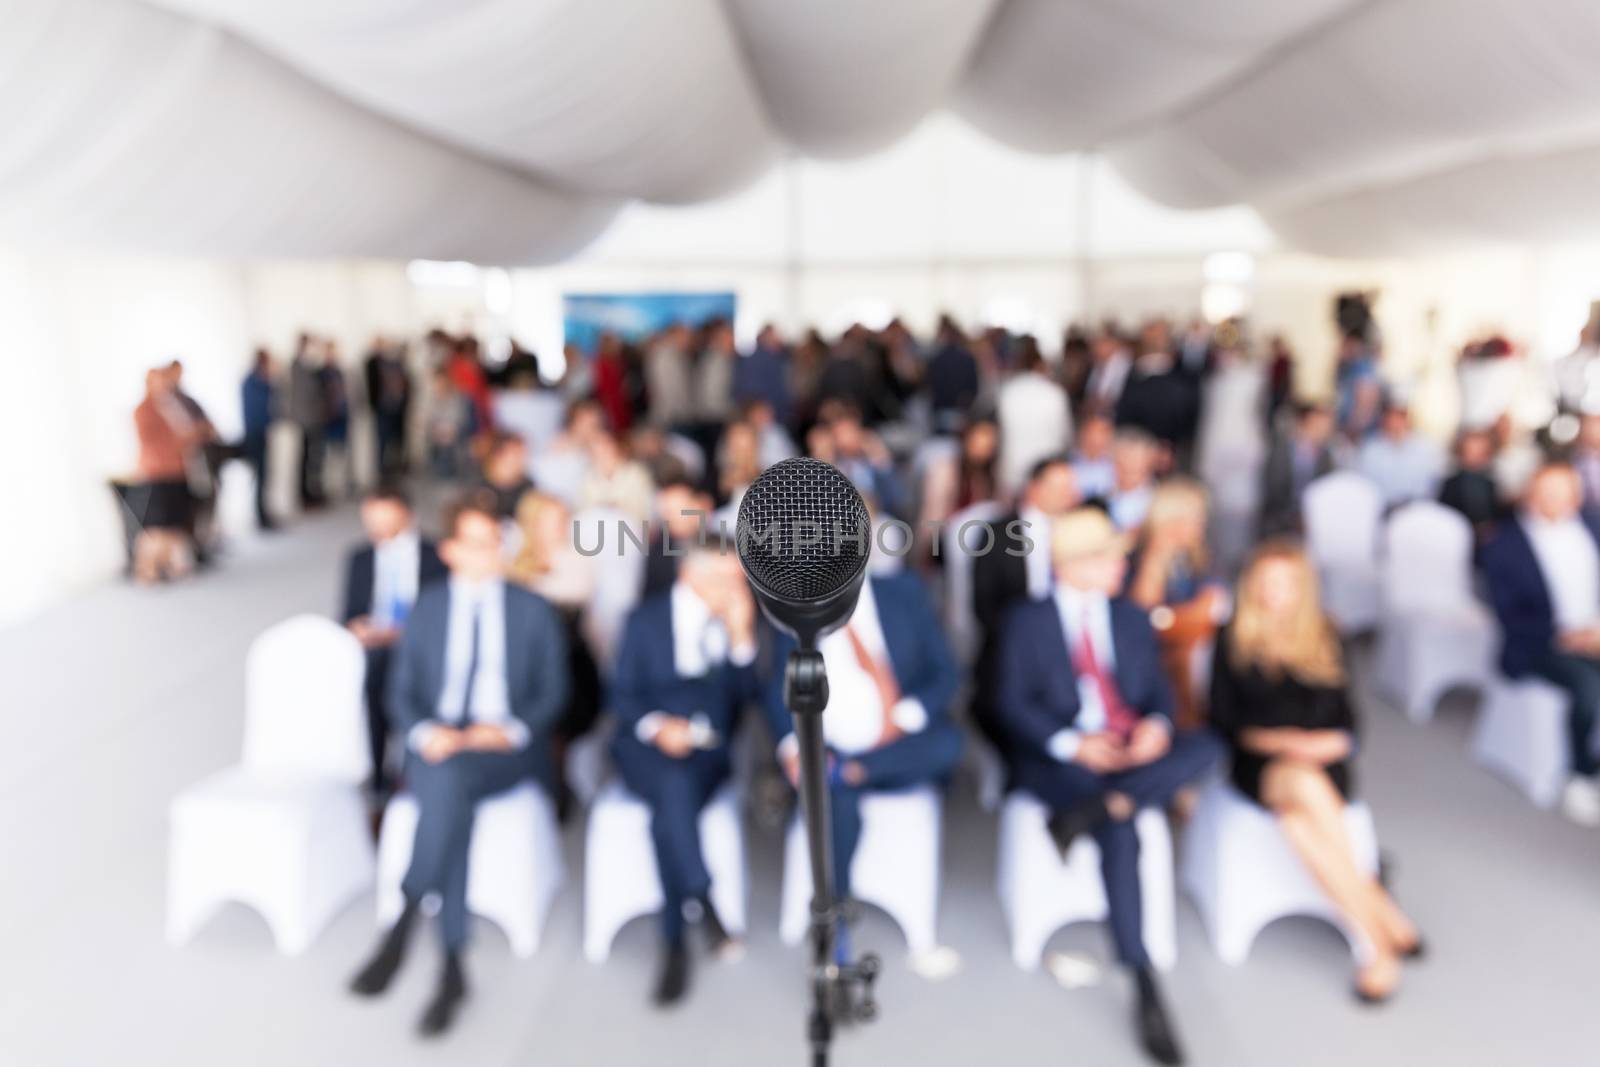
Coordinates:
(839, 991)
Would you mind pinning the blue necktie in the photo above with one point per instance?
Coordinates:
(472, 668)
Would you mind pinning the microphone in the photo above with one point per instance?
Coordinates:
(804, 536)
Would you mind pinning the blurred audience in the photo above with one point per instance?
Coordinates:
(1295, 459)
(1401, 462)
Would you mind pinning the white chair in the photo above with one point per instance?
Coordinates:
(286, 830)
(1435, 635)
(1522, 736)
(957, 551)
(621, 879)
(619, 576)
(1343, 513)
(514, 862)
(1242, 873)
(896, 867)
(1040, 894)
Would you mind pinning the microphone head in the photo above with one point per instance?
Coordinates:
(804, 536)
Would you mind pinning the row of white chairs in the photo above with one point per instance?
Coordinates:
(1411, 577)
(286, 833)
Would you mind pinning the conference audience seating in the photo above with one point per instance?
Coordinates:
(515, 869)
(961, 624)
(896, 866)
(622, 881)
(1435, 635)
(1243, 875)
(1040, 894)
(286, 830)
(1343, 520)
(619, 575)
(1521, 735)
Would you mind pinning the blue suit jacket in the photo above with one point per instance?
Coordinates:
(536, 665)
(921, 658)
(1037, 687)
(645, 677)
(1520, 597)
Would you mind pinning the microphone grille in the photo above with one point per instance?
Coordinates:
(803, 531)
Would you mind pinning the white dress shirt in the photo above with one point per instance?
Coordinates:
(1078, 608)
(1038, 560)
(1570, 563)
(854, 720)
(483, 604)
(1129, 507)
(699, 643)
(396, 570)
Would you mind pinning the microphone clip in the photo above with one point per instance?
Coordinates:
(805, 682)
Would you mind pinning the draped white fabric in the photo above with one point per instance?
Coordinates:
(170, 136)
(509, 130)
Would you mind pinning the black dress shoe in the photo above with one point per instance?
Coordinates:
(441, 1010)
(1156, 1035)
(380, 970)
(673, 980)
(1066, 826)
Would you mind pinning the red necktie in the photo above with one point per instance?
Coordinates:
(1119, 719)
(882, 677)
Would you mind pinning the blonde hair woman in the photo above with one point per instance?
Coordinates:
(548, 563)
(1280, 697)
(1171, 578)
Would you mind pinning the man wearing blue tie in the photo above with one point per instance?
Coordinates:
(891, 678)
(684, 672)
(478, 680)
(1089, 711)
(381, 581)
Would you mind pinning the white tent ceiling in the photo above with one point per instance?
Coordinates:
(511, 130)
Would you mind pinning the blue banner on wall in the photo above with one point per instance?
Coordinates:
(634, 316)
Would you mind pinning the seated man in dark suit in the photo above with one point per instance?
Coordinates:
(891, 677)
(683, 515)
(478, 680)
(381, 581)
(1543, 571)
(683, 674)
(1087, 705)
(1012, 563)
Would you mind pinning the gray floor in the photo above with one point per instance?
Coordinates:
(115, 701)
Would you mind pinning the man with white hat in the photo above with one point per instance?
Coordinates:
(1083, 696)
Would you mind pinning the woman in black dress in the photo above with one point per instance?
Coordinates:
(1280, 697)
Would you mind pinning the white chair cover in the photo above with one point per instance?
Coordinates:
(896, 866)
(286, 831)
(1343, 513)
(514, 868)
(622, 880)
(1242, 874)
(1435, 634)
(1522, 736)
(1039, 894)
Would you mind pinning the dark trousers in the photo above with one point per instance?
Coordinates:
(676, 790)
(915, 759)
(312, 457)
(391, 433)
(255, 454)
(447, 796)
(1063, 786)
(1579, 677)
(377, 692)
